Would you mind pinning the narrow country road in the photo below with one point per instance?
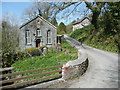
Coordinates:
(102, 71)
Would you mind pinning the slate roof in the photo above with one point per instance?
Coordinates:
(36, 18)
(80, 20)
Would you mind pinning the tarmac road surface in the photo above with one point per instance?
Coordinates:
(102, 71)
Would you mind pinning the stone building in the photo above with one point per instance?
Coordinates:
(80, 23)
(37, 32)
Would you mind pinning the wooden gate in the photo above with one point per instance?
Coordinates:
(17, 80)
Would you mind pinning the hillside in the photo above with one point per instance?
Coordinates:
(99, 40)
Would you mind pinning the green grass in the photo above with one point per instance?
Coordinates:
(52, 59)
(100, 40)
(67, 48)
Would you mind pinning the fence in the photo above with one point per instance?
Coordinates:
(22, 83)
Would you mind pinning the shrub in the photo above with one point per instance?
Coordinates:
(41, 47)
(10, 57)
(98, 39)
(78, 33)
(21, 55)
(82, 39)
(29, 50)
(36, 52)
(7, 59)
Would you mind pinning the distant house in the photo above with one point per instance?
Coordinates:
(37, 32)
(80, 23)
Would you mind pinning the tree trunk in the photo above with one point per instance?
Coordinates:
(95, 20)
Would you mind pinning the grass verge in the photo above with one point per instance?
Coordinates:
(99, 40)
(53, 58)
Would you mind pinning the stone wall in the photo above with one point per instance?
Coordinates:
(73, 71)
(76, 67)
(32, 27)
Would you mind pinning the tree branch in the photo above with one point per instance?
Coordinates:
(89, 5)
(74, 9)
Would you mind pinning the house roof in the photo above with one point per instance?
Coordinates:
(34, 19)
(80, 20)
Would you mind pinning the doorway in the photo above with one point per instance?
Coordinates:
(38, 42)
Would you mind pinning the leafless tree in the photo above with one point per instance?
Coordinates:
(42, 8)
(48, 10)
(10, 33)
(94, 7)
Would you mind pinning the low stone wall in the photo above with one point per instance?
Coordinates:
(73, 71)
(76, 67)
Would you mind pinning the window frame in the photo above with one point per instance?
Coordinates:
(28, 37)
(38, 30)
(49, 37)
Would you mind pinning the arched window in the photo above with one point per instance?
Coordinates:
(28, 36)
(38, 32)
(49, 37)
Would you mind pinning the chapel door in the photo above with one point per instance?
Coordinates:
(38, 42)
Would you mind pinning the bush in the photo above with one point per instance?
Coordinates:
(29, 50)
(7, 59)
(21, 55)
(79, 32)
(36, 52)
(10, 57)
(82, 39)
(41, 47)
(98, 39)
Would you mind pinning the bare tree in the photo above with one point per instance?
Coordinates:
(10, 41)
(42, 8)
(94, 7)
(10, 33)
(48, 10)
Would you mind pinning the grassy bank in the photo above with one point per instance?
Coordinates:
(53, 58)
(100, 40)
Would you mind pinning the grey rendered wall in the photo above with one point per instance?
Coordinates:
(32, 26)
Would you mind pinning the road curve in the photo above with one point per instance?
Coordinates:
(102, 71)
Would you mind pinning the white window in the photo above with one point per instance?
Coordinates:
(49, 37)
(28, 37)
(38, 32)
